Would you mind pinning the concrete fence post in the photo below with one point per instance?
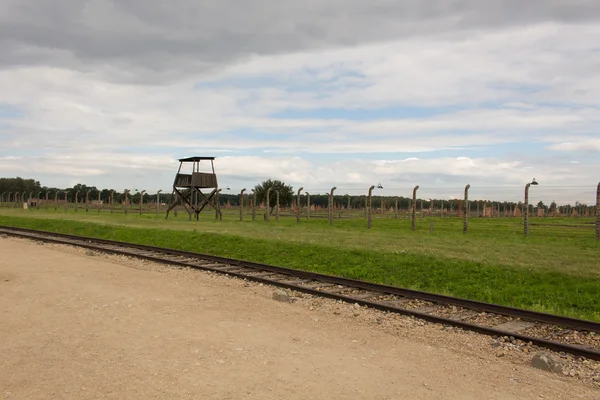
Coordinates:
(253, 205)
(307, 205)
(277, 205)
(141, 200)
(330, 207)
(267, 202)
(112, 201)
(218, 214)
(466, 210)
(369, 199)
(526, 211)
(242, 204)
(598, 212)
(414, 208)
(157, 202)
(126, 191)
(298, 206)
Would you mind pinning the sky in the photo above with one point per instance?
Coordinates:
(345, 93)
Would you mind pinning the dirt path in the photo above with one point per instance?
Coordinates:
(86, 327)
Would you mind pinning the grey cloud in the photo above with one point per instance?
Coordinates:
(158, 41)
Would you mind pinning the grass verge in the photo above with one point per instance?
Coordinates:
(542, 290)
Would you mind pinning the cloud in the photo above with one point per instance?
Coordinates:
(132, 41)
(585, 145)
(443, 92)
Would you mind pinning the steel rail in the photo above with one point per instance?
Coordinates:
(234, 267)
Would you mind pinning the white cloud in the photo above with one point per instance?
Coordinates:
(513, 85)
(585, 145)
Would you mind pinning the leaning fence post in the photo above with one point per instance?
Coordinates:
(242, 204)
(298, 206)
(414, 208)
(331, 206)
(466, 213)
(369, 217)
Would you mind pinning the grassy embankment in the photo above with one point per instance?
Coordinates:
(556, 269)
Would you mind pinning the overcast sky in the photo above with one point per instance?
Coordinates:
(317, 93)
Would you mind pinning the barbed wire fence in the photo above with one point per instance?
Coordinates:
(541, 208)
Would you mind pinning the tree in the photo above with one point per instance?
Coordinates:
(286, 193)
(541, 205)
(19, 185)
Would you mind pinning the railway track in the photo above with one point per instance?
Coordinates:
(558, 333)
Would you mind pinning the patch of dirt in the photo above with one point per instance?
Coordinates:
(76, 326)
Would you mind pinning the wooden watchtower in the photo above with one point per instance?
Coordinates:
(187, 188)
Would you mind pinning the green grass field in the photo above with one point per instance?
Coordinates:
(556, 269)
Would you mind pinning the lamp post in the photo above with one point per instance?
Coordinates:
(526, 207)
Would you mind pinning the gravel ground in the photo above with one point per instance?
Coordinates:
(77, 324)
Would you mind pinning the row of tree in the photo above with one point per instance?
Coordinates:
(286, 196)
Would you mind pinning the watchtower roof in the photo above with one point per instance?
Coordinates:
(190, 159)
